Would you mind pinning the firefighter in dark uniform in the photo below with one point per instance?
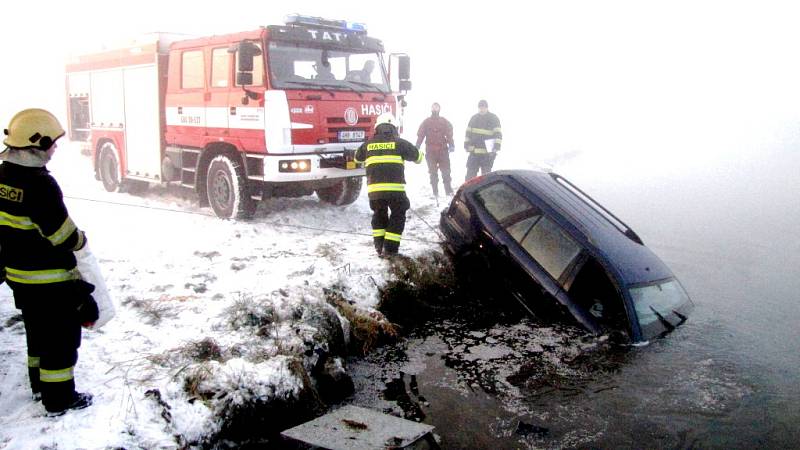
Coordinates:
(37, 241)
(384, 157)
(482, 126)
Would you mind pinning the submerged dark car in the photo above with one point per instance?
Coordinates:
(555, 249)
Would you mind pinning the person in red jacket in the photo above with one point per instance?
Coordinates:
(437, 132)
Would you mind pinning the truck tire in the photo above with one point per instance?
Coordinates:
(343, 192)
(108, 167)
(227, 190)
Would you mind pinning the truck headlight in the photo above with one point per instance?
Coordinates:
(294, 165)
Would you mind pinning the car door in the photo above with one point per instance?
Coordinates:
(498, 206)
(458, 226)
(534, 254)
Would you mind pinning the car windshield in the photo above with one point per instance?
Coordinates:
(658, 306)
(292, 65)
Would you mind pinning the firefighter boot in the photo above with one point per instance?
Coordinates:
(390, 248)
(79, 400)
(36, 384)
(378, 241)
(58, 395)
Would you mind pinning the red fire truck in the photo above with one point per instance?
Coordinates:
(277, 111)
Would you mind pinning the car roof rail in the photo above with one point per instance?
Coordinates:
(595, 205)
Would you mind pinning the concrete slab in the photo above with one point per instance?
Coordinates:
(352, 427)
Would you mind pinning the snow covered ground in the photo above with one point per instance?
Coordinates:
(178, 276)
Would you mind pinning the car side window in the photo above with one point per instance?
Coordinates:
(550, 246)
(502, 202)
(520, 229)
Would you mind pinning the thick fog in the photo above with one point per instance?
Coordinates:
(695, 102)
(682, 117)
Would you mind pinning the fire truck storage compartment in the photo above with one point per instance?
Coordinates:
(119, 91)
(126, 99)
(142, 122)
(79, 111)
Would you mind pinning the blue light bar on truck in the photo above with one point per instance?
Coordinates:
(298, 19)
(356, 26)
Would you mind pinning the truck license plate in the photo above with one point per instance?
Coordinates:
(351, 135)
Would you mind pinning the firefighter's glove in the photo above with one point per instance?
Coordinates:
(88, 312)
(87, 307)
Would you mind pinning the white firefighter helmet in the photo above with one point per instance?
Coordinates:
(386, 117)
(33, 128)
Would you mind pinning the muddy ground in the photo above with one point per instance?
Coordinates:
(471, 361)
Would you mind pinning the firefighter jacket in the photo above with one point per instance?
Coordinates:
(480, 128)
(437, 132)
(37, 236)
(384, 156)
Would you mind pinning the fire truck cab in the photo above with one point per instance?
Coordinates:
(277, 111)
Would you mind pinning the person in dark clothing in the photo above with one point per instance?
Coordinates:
(364, 75)
(437, 132)
(483, 127)
(384, 155)
(323, 71)
(37, 241)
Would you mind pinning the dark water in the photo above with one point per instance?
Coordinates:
(728, 378)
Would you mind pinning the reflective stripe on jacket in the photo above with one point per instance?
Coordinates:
(480, 128)
(384, 157)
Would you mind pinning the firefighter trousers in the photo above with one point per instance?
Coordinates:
(482, 161)
(388, 222)
(439, 160)
(53, 335)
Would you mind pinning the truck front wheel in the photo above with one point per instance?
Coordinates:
(108, 167)
(227, 191)
(344, 192)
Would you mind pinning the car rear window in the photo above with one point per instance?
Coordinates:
(502, 202)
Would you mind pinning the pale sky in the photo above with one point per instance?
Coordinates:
(697, 79)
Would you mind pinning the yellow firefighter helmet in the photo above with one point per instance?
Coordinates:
(33, 128)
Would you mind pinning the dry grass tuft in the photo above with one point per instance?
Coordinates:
(369, 329)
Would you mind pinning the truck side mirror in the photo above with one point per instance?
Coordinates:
(404, 68)
(244, 78)
(245, 62)
(400, 74)
(247, 52)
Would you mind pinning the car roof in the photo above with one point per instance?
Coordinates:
(603, 234)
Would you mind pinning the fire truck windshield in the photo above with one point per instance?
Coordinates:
(292, 65)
